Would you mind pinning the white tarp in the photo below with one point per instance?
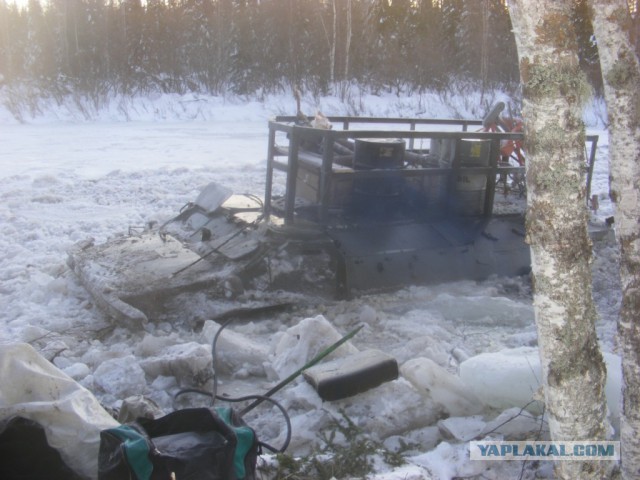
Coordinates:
(71, 416)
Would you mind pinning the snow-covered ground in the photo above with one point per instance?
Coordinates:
(64, 178)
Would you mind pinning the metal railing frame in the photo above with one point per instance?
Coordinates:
(296, 134)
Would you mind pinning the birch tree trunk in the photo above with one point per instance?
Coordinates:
(621, 74)
(554, 90)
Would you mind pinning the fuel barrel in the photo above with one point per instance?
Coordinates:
(470, 189)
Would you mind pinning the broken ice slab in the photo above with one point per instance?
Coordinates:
(462, 429)
(447, 390)
(353, 374)
(510, 378)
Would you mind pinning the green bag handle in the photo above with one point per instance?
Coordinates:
(136, 449)
(246, 439)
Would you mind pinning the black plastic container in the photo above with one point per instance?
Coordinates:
(371, 153)
(378, 198)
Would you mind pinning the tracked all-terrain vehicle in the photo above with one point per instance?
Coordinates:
(366, 205)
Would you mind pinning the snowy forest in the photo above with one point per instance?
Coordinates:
(95, 47)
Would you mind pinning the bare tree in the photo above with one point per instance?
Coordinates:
(621, 74)
(554, 91)
(334, 41)
(347, 42)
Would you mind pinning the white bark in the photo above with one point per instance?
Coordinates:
(621, 74)
(554, 91)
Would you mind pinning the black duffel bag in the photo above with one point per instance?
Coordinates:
(25, 453)
(188, 444)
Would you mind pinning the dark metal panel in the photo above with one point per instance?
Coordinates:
(382, 257)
